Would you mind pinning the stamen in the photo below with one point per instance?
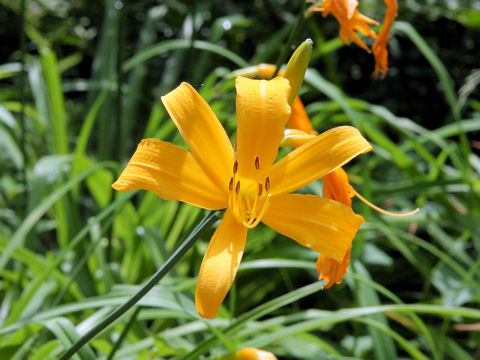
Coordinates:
(257, 163)
(237, 188)
(260, 188)
(230, 185)
(380, 210)
(267, 183)
(235, 167)
(257, 217)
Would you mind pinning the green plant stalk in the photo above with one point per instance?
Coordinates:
(291, 39)
(124, 333)
(208, 221)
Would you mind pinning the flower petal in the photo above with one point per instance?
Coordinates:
(299, 119)
(316, 158)
(337, 187)
(262, 112)
(322, 225)
(220, 265)
(171, 172)
(332, 271)
(202, 132)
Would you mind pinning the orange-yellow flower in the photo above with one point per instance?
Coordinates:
(350, 20)
(254, 354)
(247, 183)
(379, 48)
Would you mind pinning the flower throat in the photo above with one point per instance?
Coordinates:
(248, 197)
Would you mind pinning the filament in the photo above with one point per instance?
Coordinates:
(380, 210)
(256, 218)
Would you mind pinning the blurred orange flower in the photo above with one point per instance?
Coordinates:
(350, 20)
(379, 48)
(254, 354)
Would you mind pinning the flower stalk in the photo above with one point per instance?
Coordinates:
(206, 223)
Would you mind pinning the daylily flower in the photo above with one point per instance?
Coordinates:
(379, 48)
(247, 183)
(350, 20)
(254, 354)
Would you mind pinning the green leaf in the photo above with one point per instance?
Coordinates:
(10, 346)
(450, 284)
(64, 330)
(56, 102)
(32, 218)
(383, 345)
(170, 45)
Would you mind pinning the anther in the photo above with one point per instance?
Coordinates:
(257, 163)
(260, 188)
(230, 185)
(235, 167)
(267, 183)
(237, 188)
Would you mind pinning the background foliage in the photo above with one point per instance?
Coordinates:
(71, 249)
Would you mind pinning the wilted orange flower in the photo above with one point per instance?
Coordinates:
(379, 48)
(246, 182)
(350, 20)
(254, 354)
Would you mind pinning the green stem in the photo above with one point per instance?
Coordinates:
(291, 39)
(208, 221)
(124, 333)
